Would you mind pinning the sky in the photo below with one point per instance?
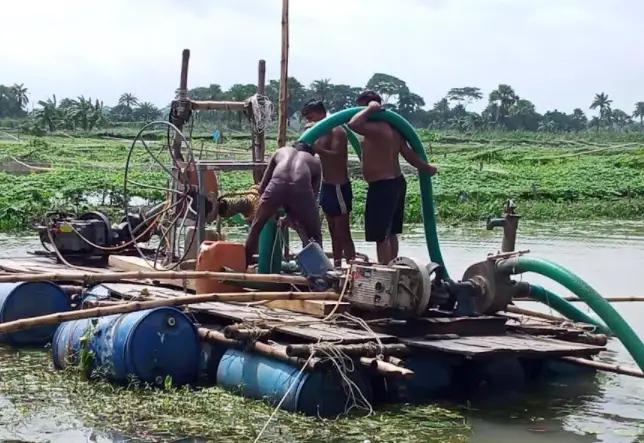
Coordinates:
(556, 53)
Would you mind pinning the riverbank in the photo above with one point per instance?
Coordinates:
(548, 181)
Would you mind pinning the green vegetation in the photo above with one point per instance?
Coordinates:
(35, 391)
(505, 109)
(548, 176)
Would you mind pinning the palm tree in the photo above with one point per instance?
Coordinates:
(321, 88)
(639, 113)
(602, 102)
(20, 94)
(128, 100)
(504, 96)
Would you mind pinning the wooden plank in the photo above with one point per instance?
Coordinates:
(43, 266)
(130, 263)
(299, 325)
(317, 308)
(513, 344)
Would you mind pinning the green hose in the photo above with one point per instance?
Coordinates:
(270, 250)
(354, 141)
(586, 293)
(562, 306)
(409, 134)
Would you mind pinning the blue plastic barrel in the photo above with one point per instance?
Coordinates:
(313, 393)
(146, 345)
(313, 261)
(31, 299)
(433, 376)
(67, 342)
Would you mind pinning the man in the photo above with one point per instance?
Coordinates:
(291, 181)
(336, 196)
(387, 187)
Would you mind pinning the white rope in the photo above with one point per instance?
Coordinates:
(262, 109)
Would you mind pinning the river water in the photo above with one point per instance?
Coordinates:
(606, 408)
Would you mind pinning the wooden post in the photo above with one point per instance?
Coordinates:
(283, 100)
(259, 147)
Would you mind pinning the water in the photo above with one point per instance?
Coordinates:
(607, 408)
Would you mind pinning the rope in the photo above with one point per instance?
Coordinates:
(261, 110)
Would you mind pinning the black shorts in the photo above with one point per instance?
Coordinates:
(385, 208)
(336, 199)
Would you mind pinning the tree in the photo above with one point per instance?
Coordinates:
(503, 97)
(48, 115)
(146, 112)
(602, 102)
(386, 85)
(464, 96)
(639, 113)
(408, 103)
(322, 88)
(20, 95)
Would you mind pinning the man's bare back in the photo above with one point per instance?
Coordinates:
(291, 181)
(293, 167)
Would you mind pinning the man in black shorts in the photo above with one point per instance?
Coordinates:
(336, 196)
(387, 187)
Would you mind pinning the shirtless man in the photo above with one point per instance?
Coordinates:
(387, 187)
(336, 197)
(291, 181)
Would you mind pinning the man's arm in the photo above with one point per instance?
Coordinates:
(316, 176)
(268, 174)
(359, 123)
(415, 160)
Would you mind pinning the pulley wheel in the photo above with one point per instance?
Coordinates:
(495, 296)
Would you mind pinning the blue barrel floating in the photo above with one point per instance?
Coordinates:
(433, 376)
(145, 345)
(313, 393)
(31, 299)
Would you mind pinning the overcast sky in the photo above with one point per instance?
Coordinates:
(557, 53)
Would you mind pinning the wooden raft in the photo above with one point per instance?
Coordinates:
(44, 265)
(518, 345)
(240, 313)
(318, 308)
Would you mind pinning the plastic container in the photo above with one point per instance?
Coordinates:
(31, 299)
(147, 345)
(312, 393)
(313, 261)
(214, 256)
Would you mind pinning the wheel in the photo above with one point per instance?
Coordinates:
(166, 171)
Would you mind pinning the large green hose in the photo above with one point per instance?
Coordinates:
(561, 305)
(621, 329)
(408, 132)
(354, 141)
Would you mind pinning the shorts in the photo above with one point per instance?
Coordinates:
(336, 199)
(281, 194)
(385, 208)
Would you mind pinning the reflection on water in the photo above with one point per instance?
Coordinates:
(607, 408)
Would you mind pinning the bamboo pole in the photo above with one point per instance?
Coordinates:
(261, 348)
(166, 275)
(351, 350)
(283, 97)
(236, 333)
(617, 369)
(535, 314)
(26, 323)
(573, 298)
(259, 149)
(384, 368)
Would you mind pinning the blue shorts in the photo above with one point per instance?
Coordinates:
(336, 200)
